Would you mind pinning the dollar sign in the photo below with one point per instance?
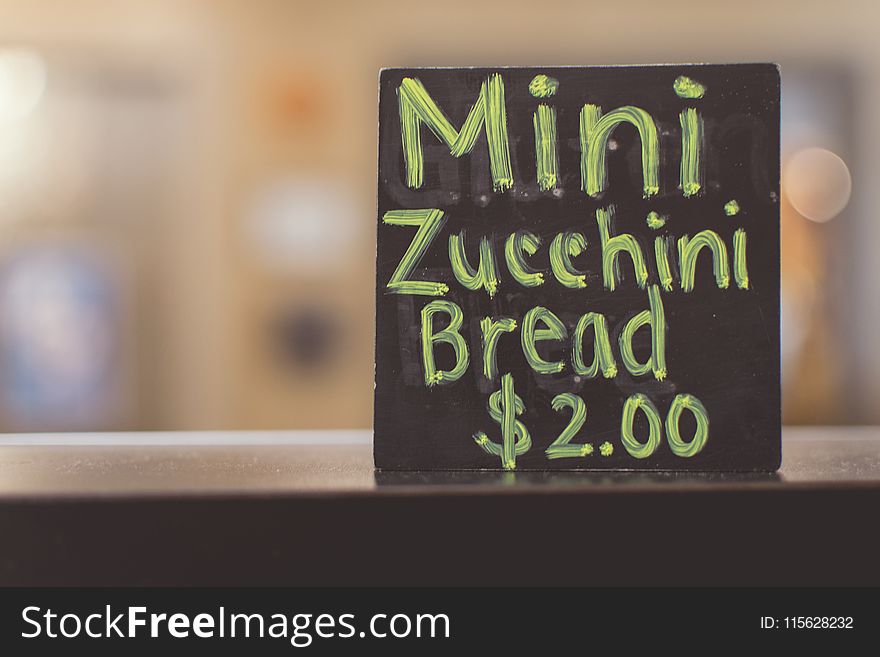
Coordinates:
(504, 405)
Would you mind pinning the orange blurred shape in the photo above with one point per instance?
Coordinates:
(298, 101)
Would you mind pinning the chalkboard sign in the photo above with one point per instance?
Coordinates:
(578, 268)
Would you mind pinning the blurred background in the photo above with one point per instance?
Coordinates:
(173, 175)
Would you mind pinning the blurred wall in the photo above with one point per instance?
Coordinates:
(206, 172)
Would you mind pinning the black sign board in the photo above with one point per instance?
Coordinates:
(578, 268)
